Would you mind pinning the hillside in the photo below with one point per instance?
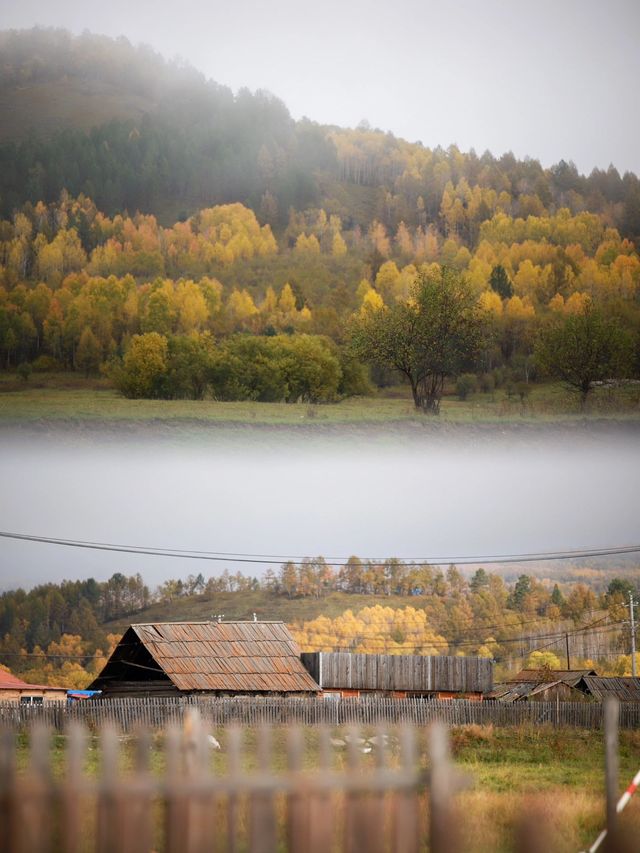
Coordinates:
(65, 630)
(246, 247)
(52, 81)
(164, 140)
(266, 605)
(45, 107)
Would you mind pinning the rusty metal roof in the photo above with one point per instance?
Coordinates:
(513, 691)
(227, 656)
(569, 676)
(9, 681)
(626, 689)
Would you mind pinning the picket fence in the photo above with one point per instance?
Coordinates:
(177, 792)
(188, 808)
(129, 714)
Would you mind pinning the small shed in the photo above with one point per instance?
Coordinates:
(531, 691)
(349, 674)
(214, 658)
(568, 676)
(14, 689)
(543, 685)
(599, 687)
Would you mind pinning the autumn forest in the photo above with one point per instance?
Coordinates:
(192, 258)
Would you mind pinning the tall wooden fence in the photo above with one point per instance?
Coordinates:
(129, 714)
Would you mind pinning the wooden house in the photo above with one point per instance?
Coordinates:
(13, 689)
(214, 658)
(343, 674)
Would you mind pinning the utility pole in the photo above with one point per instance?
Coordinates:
(633, 636)
(566, 637)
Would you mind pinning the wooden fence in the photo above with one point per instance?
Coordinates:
(129, 714)
(419, 673)
(181, 793)
(187, 807)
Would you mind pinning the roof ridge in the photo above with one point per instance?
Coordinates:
(213, 622)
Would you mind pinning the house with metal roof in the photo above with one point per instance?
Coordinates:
(345, 674)
(14, 689)
(213, 658)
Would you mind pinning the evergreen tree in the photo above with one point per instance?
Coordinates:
(500, 282)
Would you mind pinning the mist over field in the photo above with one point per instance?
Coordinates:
(306, 493)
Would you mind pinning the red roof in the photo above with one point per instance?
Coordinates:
(8, 681)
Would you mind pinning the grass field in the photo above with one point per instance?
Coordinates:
(556, 773)
(71, 397)
(242, 606)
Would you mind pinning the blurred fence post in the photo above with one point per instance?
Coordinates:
(611, 763)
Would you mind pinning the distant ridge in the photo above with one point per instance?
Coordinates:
(119, 123)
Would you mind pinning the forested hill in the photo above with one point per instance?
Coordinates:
(62, 633)
(119, 124)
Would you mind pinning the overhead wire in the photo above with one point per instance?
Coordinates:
(382, 642)
(334, 562)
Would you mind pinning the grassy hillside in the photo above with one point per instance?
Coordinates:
(242, 605)
(48, 106)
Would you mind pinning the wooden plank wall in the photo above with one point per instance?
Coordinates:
(343, 670)
(129, 714)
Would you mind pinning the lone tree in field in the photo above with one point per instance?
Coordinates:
(582, 349)
(432, 336)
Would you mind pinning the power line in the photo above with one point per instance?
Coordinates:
(334, 562)
(374, 640)
(554, 641)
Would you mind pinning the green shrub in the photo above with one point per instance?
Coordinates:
(45, 364)
(24, 371)
(487, 383)
(144, 368)
(466, 384)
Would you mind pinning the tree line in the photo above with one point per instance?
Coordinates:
(77, 287)
(198, 142)
(62, 632)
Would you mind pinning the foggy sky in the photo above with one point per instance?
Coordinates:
(282, 493)
(551, 80)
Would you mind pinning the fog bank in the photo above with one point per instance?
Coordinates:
(284, 492)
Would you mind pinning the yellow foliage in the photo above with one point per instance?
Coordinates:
(241, 306)
(373, 630)
(519, 309)
(338, 246)
(491, 303)
(371, 301)
(363, 288)
(556, 303)
(387, 281)
(287, 300)
(309, 245)
(543, 660)
(577, 303)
